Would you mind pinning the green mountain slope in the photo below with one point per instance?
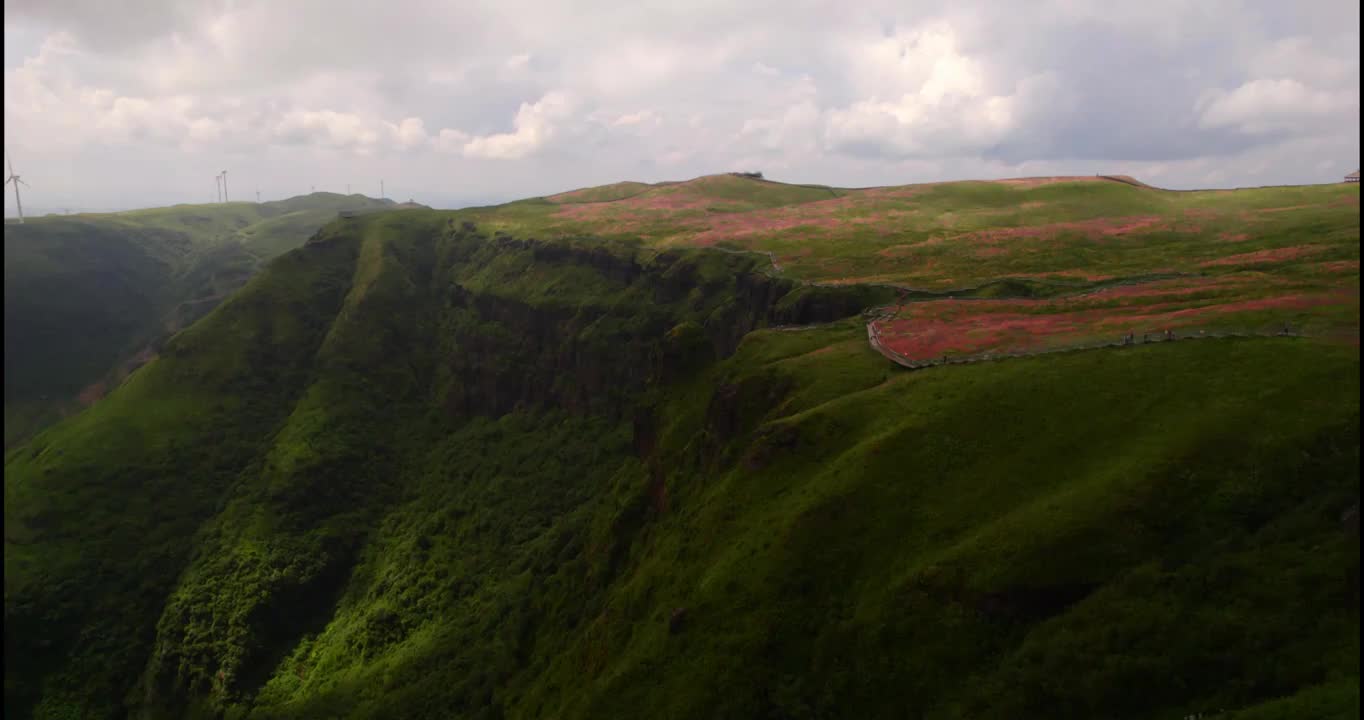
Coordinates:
(86, 295)
(418, 468)
(415, 469)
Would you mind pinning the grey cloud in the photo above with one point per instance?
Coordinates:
(111, 26)
(517, 97)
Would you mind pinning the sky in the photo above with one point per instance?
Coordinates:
(143, 102)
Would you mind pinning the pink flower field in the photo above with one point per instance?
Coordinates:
(923, 331)
(1265, 256)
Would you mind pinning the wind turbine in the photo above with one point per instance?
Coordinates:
(218, 186)
(17, 182)
(381, 189)
(224, 186)
(257, 196)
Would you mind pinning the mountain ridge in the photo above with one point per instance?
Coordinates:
(124, 281)
(427, 464)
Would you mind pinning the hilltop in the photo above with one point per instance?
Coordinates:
(1051, 262)
(576, 458)
(88, 295)
(940, 235)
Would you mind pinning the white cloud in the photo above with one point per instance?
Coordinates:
(794, 126)
(451, 141)
(1334, 65)
(632, 67)
(410, 133)
(535, 125)
(643, 117)
(522, 97)
(673, 158)
(1268, 105)
(940, 101)
(327, 128)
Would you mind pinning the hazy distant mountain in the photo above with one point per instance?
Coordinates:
(88, 295)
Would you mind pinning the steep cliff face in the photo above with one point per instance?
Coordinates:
(418, 470)
(101, 512)
(585, 327)
(352, 352)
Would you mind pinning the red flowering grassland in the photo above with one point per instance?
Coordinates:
(1271, 255)
(948, 236)
(930, 330)
(1241, 259)
(1339, 267)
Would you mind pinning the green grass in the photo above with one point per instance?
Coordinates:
(601, 193)
(421, 469)
(933, 236)
(1274, 255)
(864, 540)
(308, 383)
(1329, 701)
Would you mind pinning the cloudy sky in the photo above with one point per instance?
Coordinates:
(142, 102)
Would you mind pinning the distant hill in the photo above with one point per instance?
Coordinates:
(88, 295)
(744, 192)
(932, 235)
(602, 193)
